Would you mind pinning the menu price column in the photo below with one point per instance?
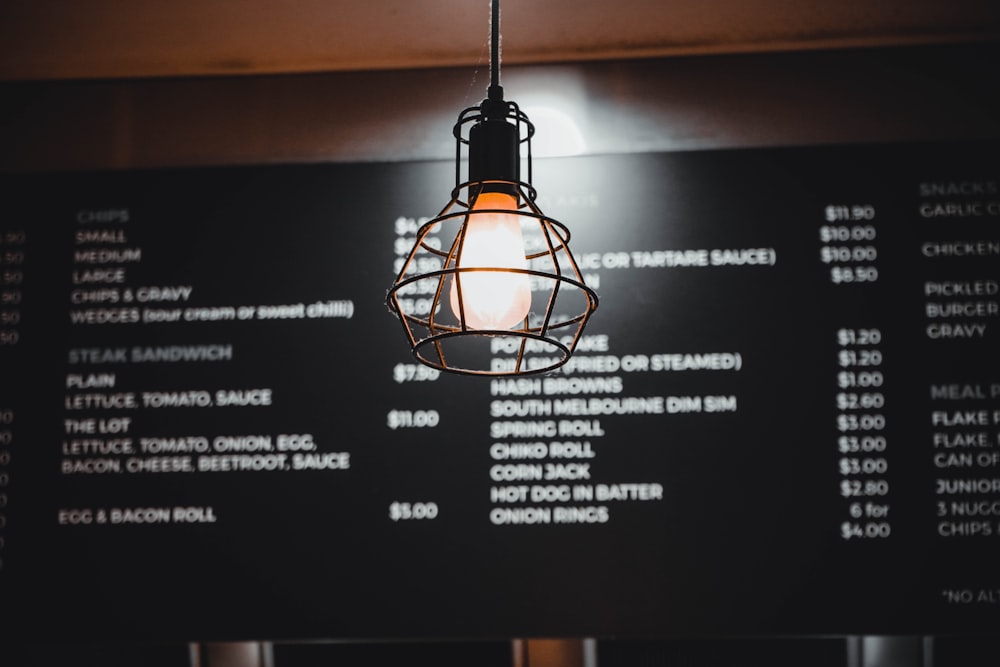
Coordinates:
(862, 443)
(849, 243)
(12, 259)
(409, 509)
(422, 419)
(850, 252)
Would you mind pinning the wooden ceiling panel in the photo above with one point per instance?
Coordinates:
(86, 39)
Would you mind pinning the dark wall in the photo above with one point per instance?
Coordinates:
(887, 95)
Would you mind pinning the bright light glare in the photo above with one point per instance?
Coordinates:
(492, 300)
(556, 133)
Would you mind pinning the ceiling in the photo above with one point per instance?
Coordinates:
(88, 39)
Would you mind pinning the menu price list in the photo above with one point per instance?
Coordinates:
(774, 408)
(915, 375)
(12, 261)
(13, 265)
(850, 249)
(863, 444)
(555, 442)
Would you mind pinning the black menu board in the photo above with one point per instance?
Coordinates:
(783, 419)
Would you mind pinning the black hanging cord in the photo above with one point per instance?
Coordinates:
(496, 91)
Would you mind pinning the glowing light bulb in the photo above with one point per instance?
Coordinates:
(492, 299)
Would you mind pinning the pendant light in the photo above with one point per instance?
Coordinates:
(490, 286)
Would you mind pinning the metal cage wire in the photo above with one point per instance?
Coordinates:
(443, 339)
(440, 335)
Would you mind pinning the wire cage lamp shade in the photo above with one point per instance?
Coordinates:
(490, 286)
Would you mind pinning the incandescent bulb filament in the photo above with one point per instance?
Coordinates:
(496, 298)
